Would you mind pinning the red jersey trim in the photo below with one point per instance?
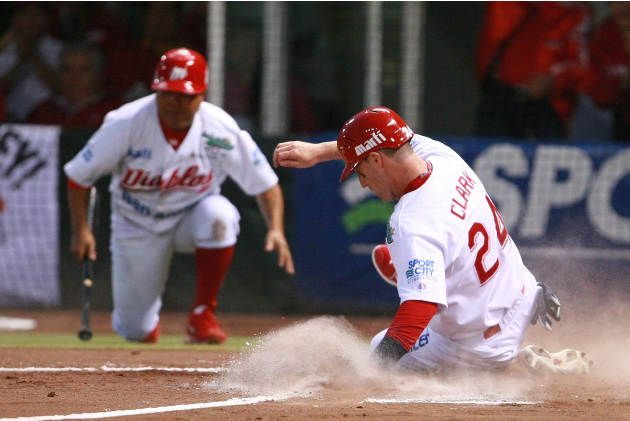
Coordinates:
(173, 137)
(73, 185)
(410, 320)
(417, 182)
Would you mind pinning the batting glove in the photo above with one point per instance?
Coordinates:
(547, 304)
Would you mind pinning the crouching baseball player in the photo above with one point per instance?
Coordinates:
(466, 298)
(168, 154)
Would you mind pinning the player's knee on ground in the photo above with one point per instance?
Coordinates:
(212, 223)
(132, 326)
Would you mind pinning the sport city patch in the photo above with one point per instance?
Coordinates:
(420, 271)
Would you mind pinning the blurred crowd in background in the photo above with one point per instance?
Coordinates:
(544, 69)
(538, 64)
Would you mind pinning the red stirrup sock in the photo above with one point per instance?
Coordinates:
(212, 265)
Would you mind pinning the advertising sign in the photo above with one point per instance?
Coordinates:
(561, 201)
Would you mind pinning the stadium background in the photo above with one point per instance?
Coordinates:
(334, 55)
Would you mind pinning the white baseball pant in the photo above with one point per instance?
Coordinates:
(433, 351)
(141, 260)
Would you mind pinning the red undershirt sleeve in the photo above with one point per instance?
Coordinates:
(410, 320)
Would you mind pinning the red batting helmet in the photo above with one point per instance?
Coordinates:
(368, 131)
(181, 70)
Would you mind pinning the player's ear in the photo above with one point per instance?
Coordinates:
(376, 158)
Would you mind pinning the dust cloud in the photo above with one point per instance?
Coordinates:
(595, 316)
(326, 357)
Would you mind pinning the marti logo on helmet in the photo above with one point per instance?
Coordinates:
(377, 139)
(178, 73)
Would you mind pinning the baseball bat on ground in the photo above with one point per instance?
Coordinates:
(85, 334)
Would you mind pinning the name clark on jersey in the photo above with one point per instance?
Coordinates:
(459, 203)
(138, 179)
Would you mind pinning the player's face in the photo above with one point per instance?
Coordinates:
(372, 176)
(177, 110)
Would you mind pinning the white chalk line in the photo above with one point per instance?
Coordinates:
(188, 407)
(142, 411)
(453, 401)
(108, 368)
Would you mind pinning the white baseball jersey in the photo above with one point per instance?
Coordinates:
(152, 183)
(449, 246)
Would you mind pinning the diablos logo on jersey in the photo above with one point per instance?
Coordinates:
(144, 180)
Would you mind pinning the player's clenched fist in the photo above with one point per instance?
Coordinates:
(297, 154)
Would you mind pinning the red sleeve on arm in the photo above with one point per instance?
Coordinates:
(74, 185)
(410, 320)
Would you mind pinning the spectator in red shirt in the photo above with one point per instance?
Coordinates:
(608, 82)
(531, 57)
(81, 102)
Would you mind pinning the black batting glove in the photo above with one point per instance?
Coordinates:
(389, 351)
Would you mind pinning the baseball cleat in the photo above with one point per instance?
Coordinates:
(383, 264)
(203, 328)
(567, 361)
(153, 336)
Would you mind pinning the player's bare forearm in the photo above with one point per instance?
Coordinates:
(298, 154)
(271, 204)
(82, 242)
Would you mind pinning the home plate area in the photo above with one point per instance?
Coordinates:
(302, 369)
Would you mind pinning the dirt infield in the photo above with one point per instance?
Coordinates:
(330, 386)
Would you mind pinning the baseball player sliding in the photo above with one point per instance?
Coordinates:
(466, 298)
(168, 154)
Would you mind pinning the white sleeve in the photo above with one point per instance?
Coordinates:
(102, 153)
(419, 264)
(248, 166)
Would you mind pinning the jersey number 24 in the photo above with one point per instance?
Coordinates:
(478, 228)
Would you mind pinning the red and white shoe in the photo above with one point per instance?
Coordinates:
(153, 336)
(203, 328)
(383, 264)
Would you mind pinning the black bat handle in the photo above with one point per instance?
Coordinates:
(86, 291)
(88, 269)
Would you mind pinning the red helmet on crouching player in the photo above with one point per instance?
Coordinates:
(181, 70)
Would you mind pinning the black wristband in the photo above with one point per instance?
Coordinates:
(390, 350)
